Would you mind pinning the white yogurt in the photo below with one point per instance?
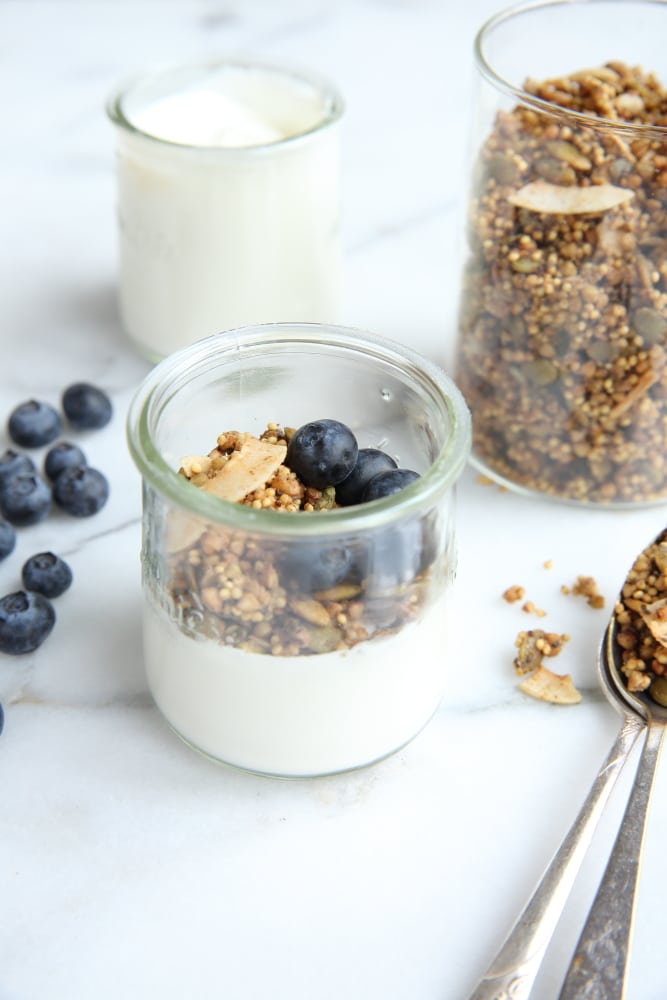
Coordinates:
(302, 715)
(228, 203)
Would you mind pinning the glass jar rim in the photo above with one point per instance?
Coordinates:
(438, 478)
(332, 108)
(582, 119)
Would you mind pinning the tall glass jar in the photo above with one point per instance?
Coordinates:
(229, 200)
(297, 643)
(563, 316)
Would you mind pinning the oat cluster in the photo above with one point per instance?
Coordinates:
(563, 324)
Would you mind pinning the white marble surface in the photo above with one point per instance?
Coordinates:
(133, 868)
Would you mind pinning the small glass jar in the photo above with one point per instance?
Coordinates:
(228, 200)
(297, 643)
(563, 317)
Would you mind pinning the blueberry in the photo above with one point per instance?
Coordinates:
(25, 499)
(322, 453)
(46, 574)
(394, 557)
(2, 718)
(25, 622)
(7, 539)
(14, 462)
(81, 491)
(370, 462)
(33, 424)
(86, 407)
(312, 567)
(62, 456)
(385, 484)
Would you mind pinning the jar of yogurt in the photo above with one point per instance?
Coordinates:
(228, 200)
(295, 642)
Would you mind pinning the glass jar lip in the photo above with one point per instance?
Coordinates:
(333, 104)
(441, 475)
(582, 119)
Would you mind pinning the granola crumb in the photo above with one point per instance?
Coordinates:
(514, 593)
(586, 586)
(548, 564)
(531, 609)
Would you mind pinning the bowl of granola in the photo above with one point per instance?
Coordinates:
(562, 342)
(298, 543)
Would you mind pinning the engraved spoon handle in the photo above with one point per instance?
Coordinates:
(599, 964)
(512, 973)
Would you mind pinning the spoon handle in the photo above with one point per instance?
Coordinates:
(513, 970)
(599, 964)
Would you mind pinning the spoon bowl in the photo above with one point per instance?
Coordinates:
(598, 969)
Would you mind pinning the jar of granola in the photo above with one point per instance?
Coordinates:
(292, 627)
(563, 314)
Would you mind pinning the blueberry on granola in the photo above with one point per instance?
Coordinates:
(25, 499)
(322, 453)
(25, 622)
(313, 568)
(46, 574)
(81, 491)
(33, 424)
(7, 539)
(385, 484)
(370, 462)
(86, 407)
(62, 456)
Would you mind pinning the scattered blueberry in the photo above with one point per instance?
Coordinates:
(33, 424)
(25, 499)
(7, 539)
(62, 456)
(385, 484)
(322, 453)
(86, 407)
(14, 462)
(370, 462)
(47, 574)
(81, 491)
(25, 622)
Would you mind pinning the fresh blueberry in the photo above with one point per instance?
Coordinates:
(322, 453)
(394, 557)
(313, 568)
(81, 491)
(33, 424)
(62, 456)
(7, 539)
(46, 574)
(86, 407)
(13, 463)
(370, 462)
(25, 622)
(385, 484)
(25, 499)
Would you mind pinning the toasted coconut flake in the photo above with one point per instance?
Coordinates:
(545, 685)
(247, 469)
(655, 618)
(554, 199)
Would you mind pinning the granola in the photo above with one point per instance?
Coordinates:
(263, 598)
(563, 322)
(640, 617)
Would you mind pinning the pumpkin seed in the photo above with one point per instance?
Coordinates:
(555, 171)
(565, 151)
(650, 324)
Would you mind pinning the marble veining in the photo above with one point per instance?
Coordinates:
(131, 866)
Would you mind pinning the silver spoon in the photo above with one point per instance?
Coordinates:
(512, 972)
(598, 969)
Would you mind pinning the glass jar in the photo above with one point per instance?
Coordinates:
(297, 643)
(228, 200)
(563, 315)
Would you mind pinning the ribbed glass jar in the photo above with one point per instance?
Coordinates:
(311, 676)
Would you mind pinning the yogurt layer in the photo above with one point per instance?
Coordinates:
(297, 716)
